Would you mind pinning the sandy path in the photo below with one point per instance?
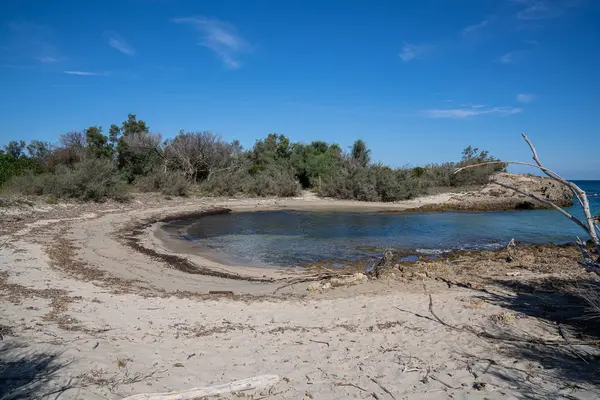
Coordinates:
(129, 330)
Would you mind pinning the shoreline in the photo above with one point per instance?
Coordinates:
(117, 321)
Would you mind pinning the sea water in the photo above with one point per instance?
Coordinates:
(291, 238)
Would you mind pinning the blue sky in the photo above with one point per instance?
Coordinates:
(418, 80)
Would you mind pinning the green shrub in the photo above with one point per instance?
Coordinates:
(170, 183)
(51, 199)
(91, 179)
(11, 167)
(271, 181)
(231, 182)
(274, 181)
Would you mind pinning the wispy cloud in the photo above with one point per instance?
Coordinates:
(474, 28)
(47, 60)
(220, 37)
(525, 97)
(469, 111)
(86, 73)
(508, 58)
(120, 44)
(412, 52)
(27, 40)
(537, 10)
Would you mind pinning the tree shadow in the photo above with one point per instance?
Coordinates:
(27, 374)
(573, 304)
(571, 366)
(559, 375)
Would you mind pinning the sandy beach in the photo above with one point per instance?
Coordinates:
(96, 305)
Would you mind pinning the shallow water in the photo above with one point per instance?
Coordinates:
(291, 238)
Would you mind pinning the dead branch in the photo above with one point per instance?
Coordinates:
(442, 382)
(318, 341)
(544, 201)
(590, 223)
(312, 278)
(258, 382)
(383, 387)
(351, 385)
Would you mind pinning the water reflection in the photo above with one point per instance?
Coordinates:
(299, 238)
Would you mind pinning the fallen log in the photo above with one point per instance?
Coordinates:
(255, 383)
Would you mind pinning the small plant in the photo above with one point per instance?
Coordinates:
(51, 199)
(122, 362)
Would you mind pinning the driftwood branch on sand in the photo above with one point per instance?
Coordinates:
(590, 224)
(255, 383)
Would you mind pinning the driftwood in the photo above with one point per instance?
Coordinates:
(589, 225)
(314, 278)
(257, 382)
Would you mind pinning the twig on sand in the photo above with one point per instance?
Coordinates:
(487, 335)
(442, 382)
(382, 387)
(318, 341)
(350, 384)
(438, 318)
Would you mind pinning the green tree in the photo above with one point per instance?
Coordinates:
(314, 162)
(11, 167)
(14, 148)
(39, 150)
(132, 162)
(274, 149)
(98, 145)
(361, 153)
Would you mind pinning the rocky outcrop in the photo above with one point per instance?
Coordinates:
(498, 197)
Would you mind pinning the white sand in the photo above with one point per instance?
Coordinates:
(113, 344)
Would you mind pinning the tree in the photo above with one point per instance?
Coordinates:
(97, 143)
(73, 139)
(132, 163)
(39, 151)
(275, 148)
(199, 155)
(72, 149)
(361, 153)
(15, 148)
(472, 155)
(314, 162)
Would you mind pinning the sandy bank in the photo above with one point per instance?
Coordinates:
(97, 319)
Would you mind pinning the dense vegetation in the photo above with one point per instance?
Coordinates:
(90, 165)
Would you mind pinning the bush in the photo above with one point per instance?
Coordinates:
(229, 183)
(170, 183)
(51, 199)
(274, 181)
(373, 183)
(11, 167)
(91, 179)
(271, 181)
